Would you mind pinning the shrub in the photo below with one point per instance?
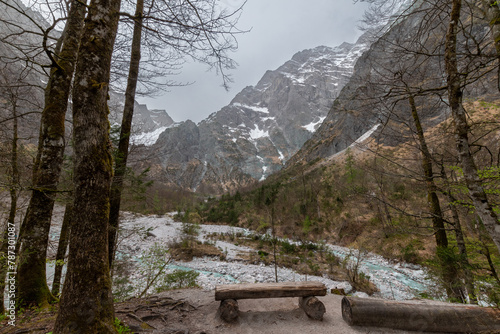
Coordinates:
(120, 327)
(288, 248)
(179, 279)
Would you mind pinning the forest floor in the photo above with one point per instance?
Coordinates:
(195, 311)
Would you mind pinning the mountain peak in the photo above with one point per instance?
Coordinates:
(261, 128)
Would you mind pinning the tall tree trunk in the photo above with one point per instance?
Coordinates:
(31, 275)
(61, 248)
(452, 284)
(464, 258)
(462, 248)
(7, 249)
(275, 240)
(387, 221)
(486, 252)
(87, 304)
(126, 128)
(476, 191)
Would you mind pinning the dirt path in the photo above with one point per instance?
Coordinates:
(194, 311)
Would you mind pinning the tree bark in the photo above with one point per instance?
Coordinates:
(476, 191)
(31, 275)
(418, 316)
(87, 304)
(462, 248)
(486, 252)
(464, 258)
(61, 249)
(432, 198)
(126, 128)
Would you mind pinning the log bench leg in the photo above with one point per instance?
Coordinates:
(229, 310)
(313, 307)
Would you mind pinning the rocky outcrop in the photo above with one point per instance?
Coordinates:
(375, 100)
(262, 127)
(145, 123)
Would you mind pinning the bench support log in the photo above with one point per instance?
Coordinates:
(415, 316)
(312, 307)
(229, 310)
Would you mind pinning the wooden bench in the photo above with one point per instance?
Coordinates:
(228, 294)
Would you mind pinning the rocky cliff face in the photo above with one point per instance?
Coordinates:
(146, 124)
(375, 100)
(262, 127)
(265, 125)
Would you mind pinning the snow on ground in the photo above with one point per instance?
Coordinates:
(395, 280)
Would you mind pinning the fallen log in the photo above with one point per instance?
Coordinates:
(420, 316)
(313, 307)
(229, 310)
(269, 290)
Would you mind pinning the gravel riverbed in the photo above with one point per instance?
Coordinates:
(394, 280)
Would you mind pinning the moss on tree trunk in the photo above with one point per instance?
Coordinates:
(86, 304)
(31, 275)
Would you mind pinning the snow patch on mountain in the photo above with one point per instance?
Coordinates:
(311, 127)
(258, 133)
(256, 108)
(148, 138)
(264, 170)
(357, 143)
(365, 136)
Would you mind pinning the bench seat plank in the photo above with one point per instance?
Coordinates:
(269, 290)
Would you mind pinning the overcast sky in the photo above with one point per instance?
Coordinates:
(279, 29)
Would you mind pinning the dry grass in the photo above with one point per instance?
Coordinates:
(186, 251)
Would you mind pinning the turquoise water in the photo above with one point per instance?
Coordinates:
(379, 269)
